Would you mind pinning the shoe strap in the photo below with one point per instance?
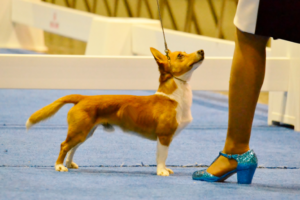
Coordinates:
(229, 156)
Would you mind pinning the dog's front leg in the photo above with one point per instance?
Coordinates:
(161, 157)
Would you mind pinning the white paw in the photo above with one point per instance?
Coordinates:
(71, 165)
(61, 168)
(164, 171)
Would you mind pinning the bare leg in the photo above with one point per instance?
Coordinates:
(161, 157)
(246, 79)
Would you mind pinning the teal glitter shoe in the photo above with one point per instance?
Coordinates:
(247, 163)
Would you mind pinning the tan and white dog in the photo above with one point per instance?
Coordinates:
(157, 117)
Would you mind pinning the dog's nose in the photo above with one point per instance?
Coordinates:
(201, 52)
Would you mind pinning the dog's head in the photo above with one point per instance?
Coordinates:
(181, 65)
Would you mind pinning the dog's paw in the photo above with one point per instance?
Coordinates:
(170, 171)
(61, 168)
(164, 172)
(71, 165)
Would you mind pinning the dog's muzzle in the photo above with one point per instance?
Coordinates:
(201, 54)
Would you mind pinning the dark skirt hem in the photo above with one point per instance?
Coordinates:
(279, 19)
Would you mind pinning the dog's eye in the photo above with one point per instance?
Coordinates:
(179, 56)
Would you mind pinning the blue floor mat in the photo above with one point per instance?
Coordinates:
(120, 166)
(40, 147)
(141, 183)
(17, 51)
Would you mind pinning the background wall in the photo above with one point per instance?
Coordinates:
(202, 8)
(204, 15)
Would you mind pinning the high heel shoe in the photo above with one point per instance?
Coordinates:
(247, 163)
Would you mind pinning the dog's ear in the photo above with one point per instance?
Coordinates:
(159, 57)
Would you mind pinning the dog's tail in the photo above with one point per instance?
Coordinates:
(51, 109)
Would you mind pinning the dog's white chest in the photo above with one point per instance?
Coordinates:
(183, 110)
(183, 96)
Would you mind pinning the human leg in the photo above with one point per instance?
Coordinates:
(246, 79)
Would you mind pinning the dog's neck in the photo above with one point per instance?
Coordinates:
(175, 89)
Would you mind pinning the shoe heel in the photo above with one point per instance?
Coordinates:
(246, 176)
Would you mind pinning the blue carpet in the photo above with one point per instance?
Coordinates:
(120, 166)
(141, 183)
(17, 51)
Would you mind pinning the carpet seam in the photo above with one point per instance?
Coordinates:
(142, 165)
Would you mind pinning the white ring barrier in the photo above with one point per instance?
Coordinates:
(120, 72)
(18, 36)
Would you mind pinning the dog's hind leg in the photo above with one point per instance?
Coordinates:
(69, 160)
(80, 126)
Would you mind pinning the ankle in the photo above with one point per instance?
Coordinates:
(222, 166)
(236, 148)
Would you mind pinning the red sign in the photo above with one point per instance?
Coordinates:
(54, 23)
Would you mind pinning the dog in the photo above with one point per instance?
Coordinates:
(159, 117)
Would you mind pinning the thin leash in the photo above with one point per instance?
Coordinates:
(162, 27)
(166, 46)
